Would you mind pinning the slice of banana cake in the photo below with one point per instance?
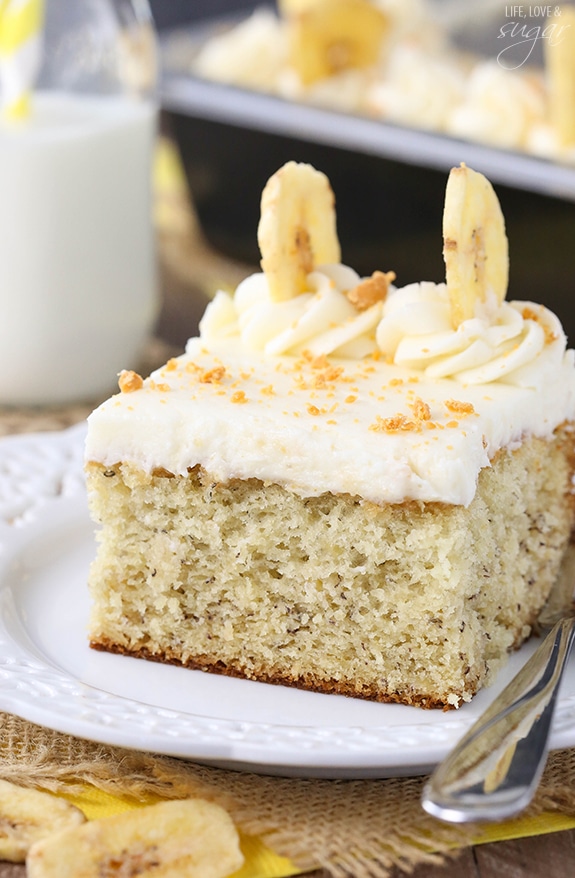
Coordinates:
(343, 484)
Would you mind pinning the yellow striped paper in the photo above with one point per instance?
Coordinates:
(21, 24)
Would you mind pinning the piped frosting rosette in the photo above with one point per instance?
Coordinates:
(321, 320)
(513, 342)
(464, 329)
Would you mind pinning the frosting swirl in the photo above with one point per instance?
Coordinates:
(511, 342)
(321, 320)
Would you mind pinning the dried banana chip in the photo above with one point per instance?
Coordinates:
(26, 816)
(328, 36)
(190, 838)
(560, 69)
(475, 247)
(297, 228)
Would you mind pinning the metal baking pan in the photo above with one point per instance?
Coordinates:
(389, 180)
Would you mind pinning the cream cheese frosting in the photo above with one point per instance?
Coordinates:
(389, 403)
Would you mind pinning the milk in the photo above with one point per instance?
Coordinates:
(77, 267)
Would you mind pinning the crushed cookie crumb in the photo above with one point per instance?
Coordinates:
(129, 381)
(395, 382)
(329, 375)
(371, 290)
(452, 424)
(239, 397)
(461, 408)
(316, 362)
(350, 398)
(530, 314)
(268, 390)
(396, 424)
(163, 388)
(313, 409)
(213, 376)
(171, 365)
(421, 410)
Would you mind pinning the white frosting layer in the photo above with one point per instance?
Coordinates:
(248, 400)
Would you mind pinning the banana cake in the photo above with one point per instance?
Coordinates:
(343, 484)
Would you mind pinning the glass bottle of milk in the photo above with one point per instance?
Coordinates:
(78, 288)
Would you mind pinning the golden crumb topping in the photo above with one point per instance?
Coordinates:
(327, 376)
(529, 314)
(129, 381)
(396, 424)
(371, 290)
(239, 397)
(213, 376)
(461, 408)
(320, 362)
(163, 388)
(421, 410)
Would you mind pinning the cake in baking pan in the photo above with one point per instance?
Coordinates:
(343, 484)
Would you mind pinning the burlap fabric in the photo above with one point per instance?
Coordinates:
(358, 827)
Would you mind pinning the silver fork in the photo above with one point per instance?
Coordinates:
(494, 770)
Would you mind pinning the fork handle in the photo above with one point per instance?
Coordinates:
(494, 770)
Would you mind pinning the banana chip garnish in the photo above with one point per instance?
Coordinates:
(27, 816)
(297, 228)
(475, 246)
(560, 70)
(191, 837)
(328, 36)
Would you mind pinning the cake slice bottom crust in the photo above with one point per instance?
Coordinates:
(417, 603)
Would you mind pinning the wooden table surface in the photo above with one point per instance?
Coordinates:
(184, 287)
(547, 856)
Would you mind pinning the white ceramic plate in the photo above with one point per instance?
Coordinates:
(49, 675)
